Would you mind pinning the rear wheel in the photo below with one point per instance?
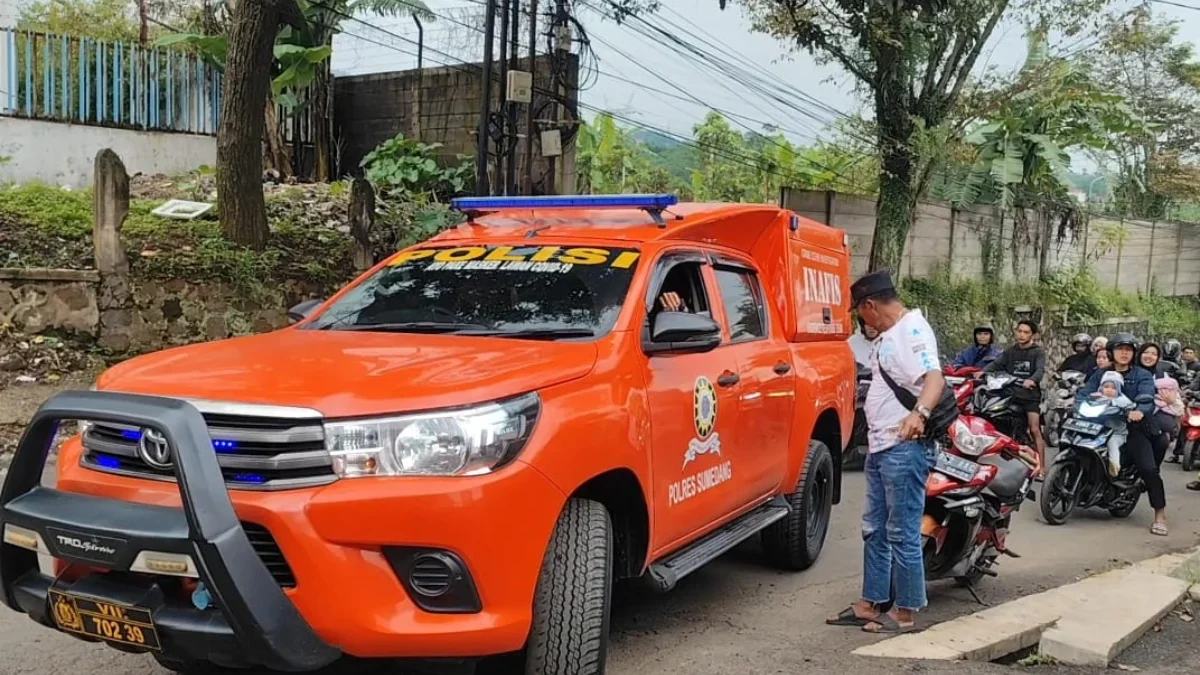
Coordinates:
(1056, 500)
(1191, 455)
(574, 590)
(795, 542)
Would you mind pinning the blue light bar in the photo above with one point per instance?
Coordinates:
(487, 204)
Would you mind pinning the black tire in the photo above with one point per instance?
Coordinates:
(195, 667)
(1190, 456)
(1059, 472)
(795, 542)
(569, 635)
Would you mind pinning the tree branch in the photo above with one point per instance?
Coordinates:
(808, 35)
(965, 71)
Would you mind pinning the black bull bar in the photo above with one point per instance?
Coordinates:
(256, 622)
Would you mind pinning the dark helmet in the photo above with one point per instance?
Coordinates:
(1171, 350)
(1082, 340)
(1122, 340)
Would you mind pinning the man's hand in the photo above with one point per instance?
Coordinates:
(1136, 416)
(671, 302)
(912, 427)
(1029, 384)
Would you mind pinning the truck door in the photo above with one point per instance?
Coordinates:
(693, 402)
(767, 381)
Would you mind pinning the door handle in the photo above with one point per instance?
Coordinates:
(728, 379)
(783, 368)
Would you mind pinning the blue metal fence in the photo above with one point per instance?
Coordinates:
(102, 82)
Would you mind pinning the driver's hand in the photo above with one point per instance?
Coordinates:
(671, 302)
(1136, 416)
(1029, 384)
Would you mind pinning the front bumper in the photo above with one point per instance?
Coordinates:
(254, 611)
(343, 543)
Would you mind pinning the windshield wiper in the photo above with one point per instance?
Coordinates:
(409, 327)
(535, 333)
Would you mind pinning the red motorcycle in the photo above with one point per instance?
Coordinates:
(962, 381)
(978, 482)
(1189, 433)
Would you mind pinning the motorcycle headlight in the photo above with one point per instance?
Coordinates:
(968, 442)
(1194, 420)
(463, 442)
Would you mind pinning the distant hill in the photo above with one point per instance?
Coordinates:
(655, 140)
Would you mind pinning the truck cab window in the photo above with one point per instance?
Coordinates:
(743, 304)
(685, 280)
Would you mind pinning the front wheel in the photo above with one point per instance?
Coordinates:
(795, 542)
(1191, 455)
(569, 635)
(1057, 501)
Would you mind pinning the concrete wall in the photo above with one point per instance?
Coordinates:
(146, 316)
(62, 154)
(434, 105)
(1132, 256)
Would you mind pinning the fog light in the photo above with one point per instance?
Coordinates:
(23, 538)
(170, 564)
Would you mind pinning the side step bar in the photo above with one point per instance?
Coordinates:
(665, 573)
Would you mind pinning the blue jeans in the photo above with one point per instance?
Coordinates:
(892, 524)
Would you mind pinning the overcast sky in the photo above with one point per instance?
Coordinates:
(624, 55)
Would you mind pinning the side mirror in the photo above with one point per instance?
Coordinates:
(683, 332)
(301, 311)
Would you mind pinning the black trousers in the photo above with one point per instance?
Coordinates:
(1145, 450)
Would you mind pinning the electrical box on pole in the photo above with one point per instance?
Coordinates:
(520, 87)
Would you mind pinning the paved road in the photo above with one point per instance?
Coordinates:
(736, 616)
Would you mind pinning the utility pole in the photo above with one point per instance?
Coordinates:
(533, 68)
(501, 139)
(485, 103)
(510, 113)
(562, 48)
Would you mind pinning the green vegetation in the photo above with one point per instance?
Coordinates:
(406, 168)
(45, 226)
(955, 306)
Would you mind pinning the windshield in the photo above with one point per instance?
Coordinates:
(548, 292)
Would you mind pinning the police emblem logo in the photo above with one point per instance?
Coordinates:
(65, 614)
(704, 407)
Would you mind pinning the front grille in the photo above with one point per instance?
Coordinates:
(269, 552)
(255, 452)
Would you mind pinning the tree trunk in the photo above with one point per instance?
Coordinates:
(322, 91)
(277, 153)
(894, 115)
(240, 135)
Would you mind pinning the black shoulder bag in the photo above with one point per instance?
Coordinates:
(942, 415)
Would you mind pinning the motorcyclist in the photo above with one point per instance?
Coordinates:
(861, 343)
(1139, 448)
(1189, 359)
(1081, 359)
(982, 352)
(1026, 361)
(1173, 352)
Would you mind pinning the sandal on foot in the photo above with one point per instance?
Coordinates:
(1159, 529)
(847, 617)
(886, 625)
(1194, 486)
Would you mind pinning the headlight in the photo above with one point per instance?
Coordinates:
(968, 442)
(467, 441)
(1194, 421)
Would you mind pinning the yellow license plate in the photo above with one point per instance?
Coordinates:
(119, 624)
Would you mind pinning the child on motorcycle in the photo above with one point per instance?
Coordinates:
(1110, 390)
(1168, 409)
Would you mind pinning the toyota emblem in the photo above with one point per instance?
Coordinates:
(154, 449)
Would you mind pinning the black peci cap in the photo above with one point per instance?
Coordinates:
(870, 284)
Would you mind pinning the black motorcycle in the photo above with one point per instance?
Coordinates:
(995, 402)
(855, 454)
(1058, 406)
(1079, 476)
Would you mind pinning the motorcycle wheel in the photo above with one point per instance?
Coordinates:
(1190, 452)
(1125, 511)
(1050, 428)
(1058, 478)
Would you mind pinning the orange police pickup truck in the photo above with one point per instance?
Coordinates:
(457, 455)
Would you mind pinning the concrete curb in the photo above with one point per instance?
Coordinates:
(1087, 622)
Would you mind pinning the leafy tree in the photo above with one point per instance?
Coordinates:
(611, 160)
(1141, 57)
(913, 58)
